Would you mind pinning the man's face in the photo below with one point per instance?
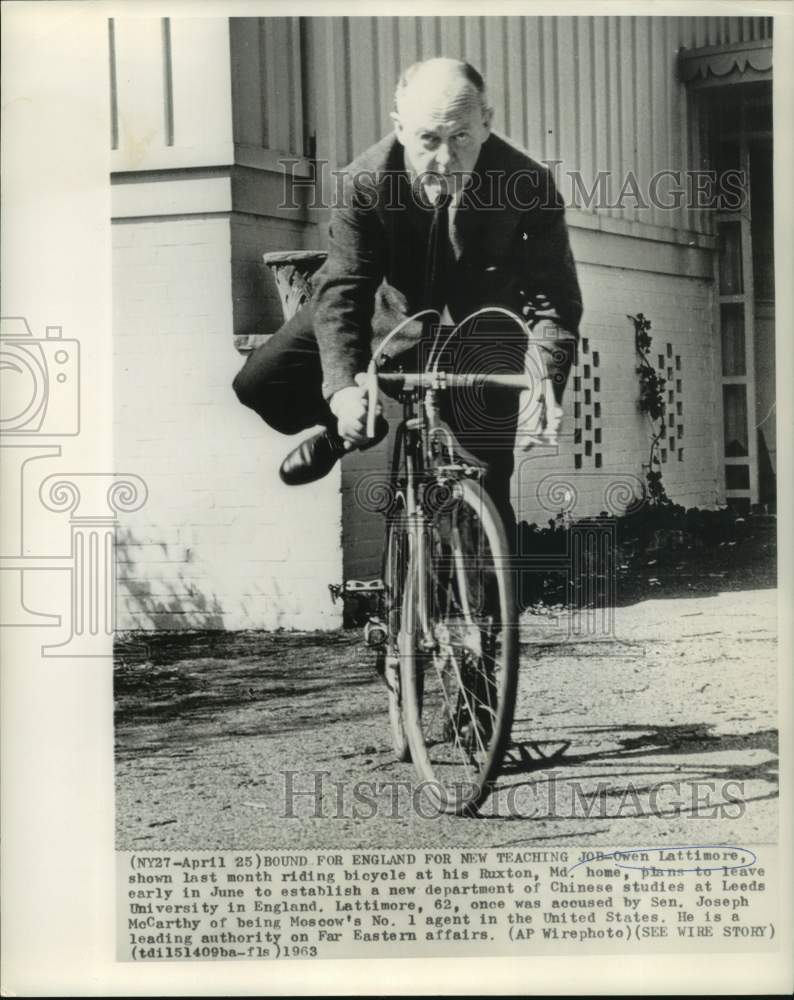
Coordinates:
(442, 133)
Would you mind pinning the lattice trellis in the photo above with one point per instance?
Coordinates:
(671, 445)
(588, 433)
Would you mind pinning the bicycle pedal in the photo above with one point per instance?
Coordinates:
(362, 586)
(357, 588)
(375, 633)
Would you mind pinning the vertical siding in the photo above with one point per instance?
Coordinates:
(679, 107)
(627, 134)
(248, 97)
(612, 161)
(586, 156)
(644, 158)
(408, 40)
(169, 91)
(365, 83)
(113, 80)
(550, 105)
(565, 84)
(475, 42)
(267, 82)
(659, 51)
(597, 93)
(495, 65)
(725, 30)
(139, 75)
(386, 37)
(452, 31)
(516, 72)
(200, 81)
(532, 58)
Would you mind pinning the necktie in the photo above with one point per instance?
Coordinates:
(439, 256)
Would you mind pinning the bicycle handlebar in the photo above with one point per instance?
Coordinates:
(438, 380)
(465, 380)
(435, 379)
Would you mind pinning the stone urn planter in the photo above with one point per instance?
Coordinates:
(293, 271)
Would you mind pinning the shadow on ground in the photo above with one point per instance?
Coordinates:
(627, 779)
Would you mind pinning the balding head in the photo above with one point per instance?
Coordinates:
(444, 79)
(441, 118)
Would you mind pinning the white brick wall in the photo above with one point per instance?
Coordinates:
(220, 542)
(680, 312)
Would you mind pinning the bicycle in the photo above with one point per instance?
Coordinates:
(448, 634)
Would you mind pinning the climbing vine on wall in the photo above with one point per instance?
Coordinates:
(651, 401)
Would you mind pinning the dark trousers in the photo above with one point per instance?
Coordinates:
(282, 382)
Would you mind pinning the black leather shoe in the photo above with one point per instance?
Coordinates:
(317, 455)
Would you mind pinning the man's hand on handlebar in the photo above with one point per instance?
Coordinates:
(349, 406)
(538, 309)
(539, 418)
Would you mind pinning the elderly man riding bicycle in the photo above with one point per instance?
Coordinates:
(443, 216)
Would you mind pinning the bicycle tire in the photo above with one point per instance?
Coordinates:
(395, 565)
(460, 674)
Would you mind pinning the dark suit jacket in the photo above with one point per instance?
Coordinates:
(510, 230)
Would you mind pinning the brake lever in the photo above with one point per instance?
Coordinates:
(371, 385)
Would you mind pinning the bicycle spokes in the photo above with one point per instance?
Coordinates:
(461, 678)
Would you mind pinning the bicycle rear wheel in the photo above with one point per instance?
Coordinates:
(459, 649)
(395, 566)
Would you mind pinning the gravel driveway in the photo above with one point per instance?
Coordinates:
(665, 733)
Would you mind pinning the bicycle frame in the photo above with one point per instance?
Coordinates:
(419, 434)
(455, 648)
(413, 439)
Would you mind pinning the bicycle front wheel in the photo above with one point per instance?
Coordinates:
(395, 566)
(459, 649)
